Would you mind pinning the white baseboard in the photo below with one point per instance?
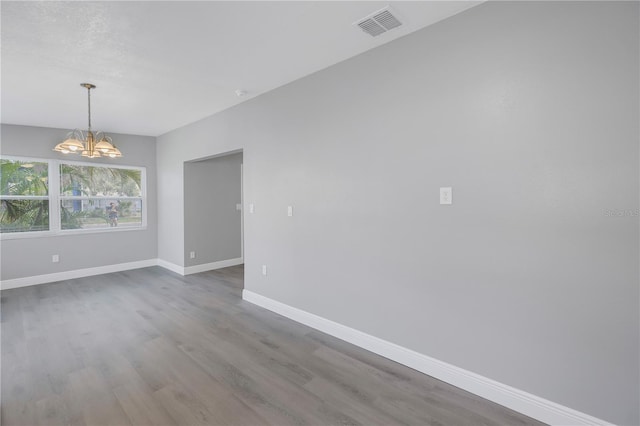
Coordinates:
(76, 273)
(87, 272)
(213, 265)
(510, 397)
(188, 270)
(171, 266)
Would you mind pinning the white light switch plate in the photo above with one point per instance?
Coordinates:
(289, 211)
(264, 269)
(251, 208)
(446, 195)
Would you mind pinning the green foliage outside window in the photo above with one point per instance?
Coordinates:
(24, 190)
(92, 181)
(95, 188)
(89, 197)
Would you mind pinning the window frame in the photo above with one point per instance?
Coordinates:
(56, 197)
(27, 234)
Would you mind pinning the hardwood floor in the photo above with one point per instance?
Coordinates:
(149, 347)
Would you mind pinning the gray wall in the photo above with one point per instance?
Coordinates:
(212, 225)
(529, 110)
(32, 256)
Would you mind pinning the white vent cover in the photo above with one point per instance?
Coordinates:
(379, 22)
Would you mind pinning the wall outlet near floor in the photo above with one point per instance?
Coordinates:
(192, 255)
(55, 258)
(264, 269)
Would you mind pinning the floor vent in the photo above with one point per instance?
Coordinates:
(379, 22)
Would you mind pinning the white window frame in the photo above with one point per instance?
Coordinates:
(31, 234)
(55, 199)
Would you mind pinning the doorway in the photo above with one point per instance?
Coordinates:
(213, 213)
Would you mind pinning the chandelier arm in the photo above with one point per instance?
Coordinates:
(88, 144)
(76, 133)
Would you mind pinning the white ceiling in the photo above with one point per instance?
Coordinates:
(160, 65)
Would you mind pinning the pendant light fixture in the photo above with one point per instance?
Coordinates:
(88, 144)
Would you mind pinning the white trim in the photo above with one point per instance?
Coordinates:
(171, 266)
(100, 197)
(188, 270)
(24, 197)
(55, 215)
(77, 273)
(242, 209)
(211, 266)
(510, 397)
(68, 232)
(55, 197)
(107, 269)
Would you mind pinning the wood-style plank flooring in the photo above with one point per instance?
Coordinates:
(149, 347)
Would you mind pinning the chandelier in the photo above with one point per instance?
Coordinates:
(89, 144)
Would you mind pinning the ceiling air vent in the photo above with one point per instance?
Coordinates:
(379, 22)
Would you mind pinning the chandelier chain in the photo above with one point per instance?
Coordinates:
(89, 108)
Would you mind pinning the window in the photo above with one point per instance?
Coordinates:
(24, 198)
(59, 197)
(93, 197)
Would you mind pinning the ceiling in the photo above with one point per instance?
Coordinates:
(161, 65)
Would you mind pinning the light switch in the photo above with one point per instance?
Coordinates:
(251, 208)
(446, 195)
(55, 258)
(264, 269)
(289, 211)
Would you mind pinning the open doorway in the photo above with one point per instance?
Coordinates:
(213, 216)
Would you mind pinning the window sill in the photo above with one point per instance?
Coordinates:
(67, 232)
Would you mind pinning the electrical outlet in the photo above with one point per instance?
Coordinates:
(55, 258)
(446, 195)
(264, 269)
(192, 255)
